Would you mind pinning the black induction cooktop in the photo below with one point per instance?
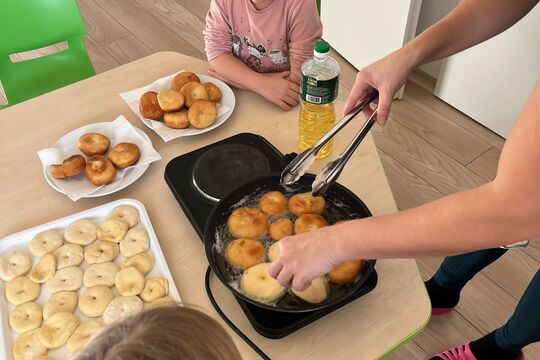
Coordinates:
(199, 179)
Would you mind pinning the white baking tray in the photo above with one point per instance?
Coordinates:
(21, 240)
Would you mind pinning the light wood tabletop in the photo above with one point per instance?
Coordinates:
(366, 328)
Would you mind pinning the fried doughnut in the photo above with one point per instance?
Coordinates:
(93, 144)
(214, 94)
(100, 252)
(170, 100)
(345, 273)
(280, 228)
(316, 293)
(124, 154)
(182, 79)
(125, 213)
(192, 92)
(57, 329)
(73, 165)
(202, 114)
(68, 255)
(21, 290)
(44, 269)
(306, 203)
(135, 242)
(122, 307)
(273, 203)
(273, 252)
(100, 170)
(62, 301)
(28, 346)
(257, 284)
(309, 222)
(177, 119)
(142, 262)
(45, 242)
(56, 171)
(100, 274)
(14, 263)
(244, 253)
(25, 317)
(82, 335)
(149, 106)
(112, 230)
(94, 300)
(82, 232)
(66, 279)
(154, 289)
(247, 223)
(129, 281)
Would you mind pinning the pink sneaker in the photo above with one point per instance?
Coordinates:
(441, 311)
(463, 352)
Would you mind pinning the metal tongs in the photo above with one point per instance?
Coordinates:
(329, 174)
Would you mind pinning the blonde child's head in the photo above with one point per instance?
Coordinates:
(163, 333)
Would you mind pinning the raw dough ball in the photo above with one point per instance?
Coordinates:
(129, 282)
(94, 300)
(316, 293)
(81, 232)
(21, 290)
(100, 252)
(45, 242)
(25, 317)
(44, 269)
(257, 284)
(27, 346)
(273, 252)
(125, 213)
(121, 307)
(112, 230)
(100, 274)
(62, 301)
(57, 329)
(135, 242)
(67, 279)
(68, 255)
(154, 289)
(82, 335)
(142, 262)
(14, 263)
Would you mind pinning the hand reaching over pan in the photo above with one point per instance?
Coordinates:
(303, 258)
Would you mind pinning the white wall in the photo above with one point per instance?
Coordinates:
(431, 12)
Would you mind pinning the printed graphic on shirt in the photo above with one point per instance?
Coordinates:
(257, 57)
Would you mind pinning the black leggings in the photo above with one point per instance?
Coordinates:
(523, 328)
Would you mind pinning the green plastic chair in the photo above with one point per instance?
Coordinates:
(32, 24)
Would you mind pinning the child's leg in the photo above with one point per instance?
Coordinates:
(455, 271)
(523, 328)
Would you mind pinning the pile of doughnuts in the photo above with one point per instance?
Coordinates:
(99, 170)
(188, 102)
(251, 227)
(78, 269)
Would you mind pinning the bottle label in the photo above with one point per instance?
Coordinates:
(319, 91)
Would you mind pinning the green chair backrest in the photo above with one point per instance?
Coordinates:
(32, 24)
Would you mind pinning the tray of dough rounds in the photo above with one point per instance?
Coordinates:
(136, 257)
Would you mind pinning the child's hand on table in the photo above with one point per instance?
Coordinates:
(280, 90)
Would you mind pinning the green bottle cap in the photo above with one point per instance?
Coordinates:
(321, 46)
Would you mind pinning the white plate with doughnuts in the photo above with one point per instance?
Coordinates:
(225, 106)
(117, 131)
(21, 241)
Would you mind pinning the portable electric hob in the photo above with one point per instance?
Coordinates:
(199, 179)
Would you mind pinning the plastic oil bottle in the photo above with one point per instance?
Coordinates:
(318, 91)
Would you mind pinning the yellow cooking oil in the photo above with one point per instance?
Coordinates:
(315, 121)
(318, 91)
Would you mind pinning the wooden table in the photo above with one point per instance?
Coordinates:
(364, 329)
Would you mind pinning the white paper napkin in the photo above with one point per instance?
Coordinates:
(166, 133)
(119, 130)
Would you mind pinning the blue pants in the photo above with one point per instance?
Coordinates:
(523, 328)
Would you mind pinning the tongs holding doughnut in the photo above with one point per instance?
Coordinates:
(329, 174)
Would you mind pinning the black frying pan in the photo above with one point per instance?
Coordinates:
(342, 204)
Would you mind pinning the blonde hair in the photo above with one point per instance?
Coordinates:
(163, 333)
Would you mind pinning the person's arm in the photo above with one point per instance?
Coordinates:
(470, 23)
(504, 211)
(305, 30)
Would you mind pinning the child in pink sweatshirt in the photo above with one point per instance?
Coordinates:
(260, 45)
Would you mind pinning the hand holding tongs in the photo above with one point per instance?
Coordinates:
(329, 174)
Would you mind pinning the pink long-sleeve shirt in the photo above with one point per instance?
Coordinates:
(277, 38)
